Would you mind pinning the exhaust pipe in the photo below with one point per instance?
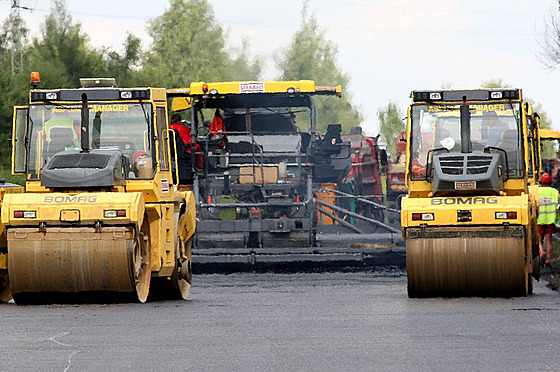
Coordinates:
(84, 125)
(466, 145)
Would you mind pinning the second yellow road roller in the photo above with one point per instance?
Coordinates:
(101, 215)
(469, 219)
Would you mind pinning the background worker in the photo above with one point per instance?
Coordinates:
(183, 147)
(218, 130)
(548, 203)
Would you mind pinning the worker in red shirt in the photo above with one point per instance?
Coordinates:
(184, 148)
(218, 130)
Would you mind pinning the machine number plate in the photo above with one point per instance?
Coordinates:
(470, 185)
(70, 215)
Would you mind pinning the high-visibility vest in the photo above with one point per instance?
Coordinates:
(59, 122)
(548, 202)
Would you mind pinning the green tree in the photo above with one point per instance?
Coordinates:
(390, 124)
(189, 45)
(124, 67)
(13, 83)
(311, 56)
(63, 54)
(242, 67)
(494, 84)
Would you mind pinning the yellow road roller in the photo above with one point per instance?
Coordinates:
(101, 216)
(469, 219)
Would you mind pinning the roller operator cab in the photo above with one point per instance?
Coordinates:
(100, 214)
(262, 155)
(469, 219)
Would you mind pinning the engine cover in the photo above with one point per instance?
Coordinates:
(75, 169)
(464, 174)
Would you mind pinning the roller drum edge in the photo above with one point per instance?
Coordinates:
(467, 266)
(72, 260)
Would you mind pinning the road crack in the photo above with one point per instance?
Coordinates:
(76, 350)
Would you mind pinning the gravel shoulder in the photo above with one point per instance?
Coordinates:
(551, 274)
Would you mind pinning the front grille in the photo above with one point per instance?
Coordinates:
(477, 164)
(451, 164)
(455, 165)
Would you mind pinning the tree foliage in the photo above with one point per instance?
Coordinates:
(63, 54)
(189, 45)
(124, 67)
(13, 38)
(311, 56)
(494, 84)
(549, 42)
(390, 124)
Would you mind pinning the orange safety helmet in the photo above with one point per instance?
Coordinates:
(546, 178)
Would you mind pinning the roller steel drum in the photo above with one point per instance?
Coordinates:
(74, 260)
(479, 261)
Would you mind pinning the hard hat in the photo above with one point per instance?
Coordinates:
(545, 178)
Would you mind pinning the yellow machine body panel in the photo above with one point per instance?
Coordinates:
(77, 209)
(549, 134)
(180, 102)
(477, 210)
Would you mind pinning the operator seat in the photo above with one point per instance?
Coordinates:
(61, 138)
(331, 139)
(509, 141)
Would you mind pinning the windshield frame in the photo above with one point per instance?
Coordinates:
(122, 136)
(431, 123)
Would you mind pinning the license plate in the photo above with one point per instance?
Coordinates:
(470, 185)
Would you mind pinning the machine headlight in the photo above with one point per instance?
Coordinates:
(435, 95)
(496, 95)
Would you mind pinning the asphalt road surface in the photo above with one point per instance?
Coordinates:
(289, 322)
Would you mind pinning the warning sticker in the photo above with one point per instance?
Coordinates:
(255, 87)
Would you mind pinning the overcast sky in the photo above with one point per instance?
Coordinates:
(388, 47)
